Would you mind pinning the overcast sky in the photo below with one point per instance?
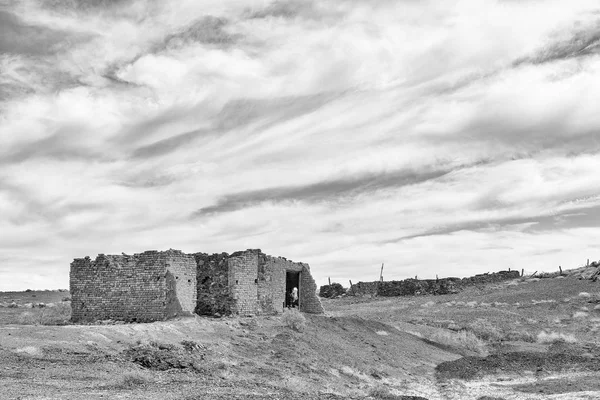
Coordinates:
(439, 137)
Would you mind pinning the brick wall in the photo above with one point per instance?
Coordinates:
(243, 281)
(280, 266)
(257, 283)
(142, 287)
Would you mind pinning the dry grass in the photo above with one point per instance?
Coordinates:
(554, 337)
(462, 340)
(485, 330)
(57, 315)
(133, 379)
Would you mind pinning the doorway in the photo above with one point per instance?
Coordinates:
(292, 280)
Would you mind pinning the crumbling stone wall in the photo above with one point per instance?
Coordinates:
(150, 286)
(410, 287)
(154, 285)
(309, 302)
(258, 281)
(243, 281)
(214, 297)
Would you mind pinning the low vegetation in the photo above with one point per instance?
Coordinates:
(463, 342)
(292, 318)
(554, 337)
(332, 291)
(130, 380)
(165, 356)
(485, 330)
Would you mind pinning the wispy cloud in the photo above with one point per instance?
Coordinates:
(340, 133)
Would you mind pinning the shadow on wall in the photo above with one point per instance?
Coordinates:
(173, 306)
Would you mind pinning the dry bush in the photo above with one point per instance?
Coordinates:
(162, 356)
(554, 337)
(523, 336)
(459, 340)
(485, 330)
(132, 379)
(332, 291)
(192, 346)
(580, 314)
(292, 318)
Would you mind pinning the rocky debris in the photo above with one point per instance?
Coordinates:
(468, 368)
(587, 272)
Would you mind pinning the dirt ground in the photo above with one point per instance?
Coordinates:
(518, 340)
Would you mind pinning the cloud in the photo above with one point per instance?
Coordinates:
(207, 30)
(322, 131)
(335, 190)
(18, 37)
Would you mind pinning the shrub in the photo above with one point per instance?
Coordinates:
(292, 318)
(159, 356)
(192, 346)
(554, 337)
(523, 336)
(460, 340)
(333, 290)
(131, 379)
(485, 330)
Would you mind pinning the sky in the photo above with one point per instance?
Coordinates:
(438, 137)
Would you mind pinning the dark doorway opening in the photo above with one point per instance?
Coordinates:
(292, 280)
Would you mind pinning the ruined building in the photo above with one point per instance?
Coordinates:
(154, 286)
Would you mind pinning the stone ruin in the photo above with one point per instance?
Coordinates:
(412, 287)
(155, 286)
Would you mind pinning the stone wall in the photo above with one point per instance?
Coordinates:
(257, 283)
(181, 293)
(243, 281)
(154, 285)
(150, 286)
(410, 287)
(309, 302)
(213, 295)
